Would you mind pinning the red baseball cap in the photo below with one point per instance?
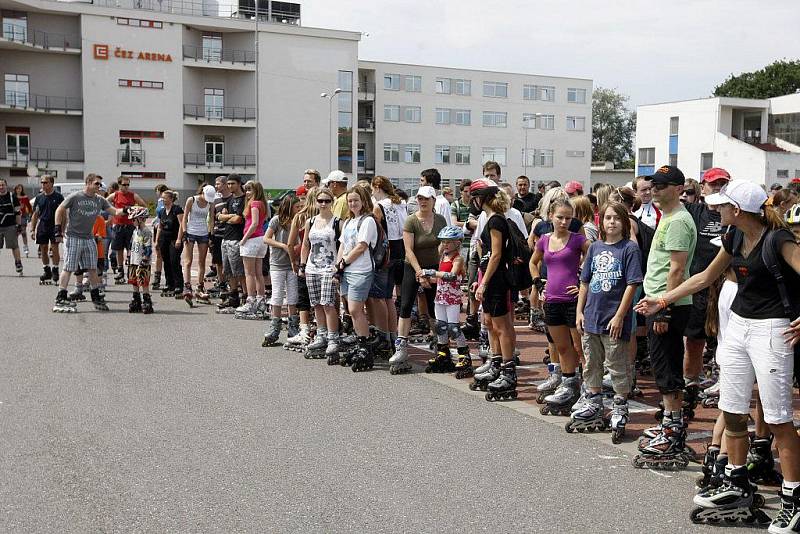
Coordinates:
(301, 191)
(795, 181)
(715, 173)
(573, 186)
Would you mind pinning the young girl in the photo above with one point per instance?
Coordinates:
(611, 273)
(139, 268)
(252, 249)
(308, 200)
(25, 212)
(318, 266)
(561, 252)
(196, 227)
(448, 305)
(284, 279)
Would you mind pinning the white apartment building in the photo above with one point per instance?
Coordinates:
(758, 140)
(182, 91)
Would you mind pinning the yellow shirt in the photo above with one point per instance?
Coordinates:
(340, 208)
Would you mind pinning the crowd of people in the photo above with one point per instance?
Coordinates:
(685, 279)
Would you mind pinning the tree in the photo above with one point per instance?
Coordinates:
(613, 127)
(779, 78)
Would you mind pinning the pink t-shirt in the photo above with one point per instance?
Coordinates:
(563, 267)
(248, 218)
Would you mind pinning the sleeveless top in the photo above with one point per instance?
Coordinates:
(262, 216)
(323, 248)
(448, 292)
(122, 200)
(198, 219)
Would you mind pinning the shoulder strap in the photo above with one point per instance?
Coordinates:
(770, 255)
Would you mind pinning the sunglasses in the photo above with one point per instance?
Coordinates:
(689, 193)
(124, 185)
(98, 184)
(324, 201)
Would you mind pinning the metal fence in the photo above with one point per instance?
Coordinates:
(32, 36)
(18, 99)
(198, 111)
(22, 156)
(218, 55)
(200, 159)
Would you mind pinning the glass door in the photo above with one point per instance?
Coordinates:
(18, 146)
(212, 47)
(17, 90)
(130, 150)
(15, 28)
(215, 150)
(214, 102)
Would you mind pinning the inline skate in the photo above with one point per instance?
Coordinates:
(188, 295)
(505, 386)
(486, 373)
(98, 301)
(332, 351)
(156, 285)
(549, 386)
(710, 396)
(316, 349)
(18, 267)
(464, 363)
(147, 304)
(561, 400)
(442, 362)
(471, 328)
(713, 468)
(271, 336)
(46, 278)
(362, 357)
(379, 346)
(119, 278)
(247, 311)
(398, 363)
(734, 500)
(536, 321)
(522, 310)
(292, 325)
(135, 306)
(667, 450)
(77, 293)
(420, 330)
(347, 348)
(63, 304)
(484, 350)
(789, 516)
(588, 415)
(299, 341)
(691, 397)
(55, 274)
(761, 463)
(618, 419)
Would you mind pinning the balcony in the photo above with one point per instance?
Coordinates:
(127, 157)
(216, 58)
(365, 169)
(39, 156)
(366, 124)
(28, 103)
(272, 12)
(219, 115)
(15, 37)
(200, 162)
(366, 91)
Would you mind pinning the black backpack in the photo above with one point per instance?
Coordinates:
(644, 237)
(518, 256)
(380, 252)
(770, 255)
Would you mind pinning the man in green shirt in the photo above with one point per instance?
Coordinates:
(668, 265)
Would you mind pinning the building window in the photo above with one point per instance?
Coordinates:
(140, 23)
(544, 158)
(576, 96)
(529, 120)
(462, 87)
(461, 155)
(529, 92)
(495, 119)
(577, 124)
(411, 153)
(345, 125)
(539, 92)
(391, 82)
(546, 122)
(706, 161)
(413, 84)
(575, 153)
(17, 90)
(442, 116)
(783, 173)
(214, 102)
(495, 89)
(647, 156)
(412, 114)
(673, 125)
(673, 160)
(144, 84)
(212, 46)
(443, 86)
(15, 26)
(442, 154)
(494, 153)
(391, 153)
(463, 117)
(139, 134)
(391, 113)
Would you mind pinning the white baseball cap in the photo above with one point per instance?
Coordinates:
(336, 176)
(426, 191)
(747, 196)
(209, 193)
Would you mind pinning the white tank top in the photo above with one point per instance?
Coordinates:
(322, 254)
(198, 219)
(395, 218)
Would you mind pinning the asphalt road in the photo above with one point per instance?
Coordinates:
(181, 422)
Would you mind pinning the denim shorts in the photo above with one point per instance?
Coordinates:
(356, 286)
(200, 239)
(382, 285)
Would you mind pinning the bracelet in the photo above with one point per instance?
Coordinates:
(662, 302)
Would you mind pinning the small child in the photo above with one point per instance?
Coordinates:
(448, 305)
(611, 273)
(139, 266)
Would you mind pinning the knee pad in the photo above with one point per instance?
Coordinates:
(441, 328)
(454, 331)
(735, 424)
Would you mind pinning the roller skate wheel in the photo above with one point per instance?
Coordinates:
(489, 397)
(514, 394)
(638, 462)
(616, 436)
(568, 427)
(428, 369)
(758, 501)
(473, 386)
(544, 410)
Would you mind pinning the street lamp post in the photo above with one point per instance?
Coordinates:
(330, 121)
(526, 127)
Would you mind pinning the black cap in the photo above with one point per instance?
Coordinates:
(668, 174)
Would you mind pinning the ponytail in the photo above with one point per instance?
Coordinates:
(772, 219)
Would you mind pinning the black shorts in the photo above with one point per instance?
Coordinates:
(560, 313)
(666, 351)
(496, 304)
(216, 250)
(303, 302)
(123, 235)
(45, 235)
(696, 327)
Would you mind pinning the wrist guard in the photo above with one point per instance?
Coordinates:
(664, 315)
(428, 273)
(57, 231)
(448, 277)
(538, 283)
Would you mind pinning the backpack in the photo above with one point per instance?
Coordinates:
(770, 255)
(644, 237)
(379, 254)
(518, 256)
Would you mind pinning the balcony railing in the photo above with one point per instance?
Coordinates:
(218, 55)
(219, 112)
(21, 157)
(200, 159)
(366, 91)
(127, 156)
(18, 99)
(366, 123)
(39, 38)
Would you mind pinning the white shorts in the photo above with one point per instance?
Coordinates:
(253, 248)
(754, 349)
(726, 295)
(284, 285)
(448, 313)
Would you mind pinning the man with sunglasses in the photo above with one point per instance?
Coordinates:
(43, 224)
(83, 207)
(122, 225)
(708, 226)
(671, 254)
